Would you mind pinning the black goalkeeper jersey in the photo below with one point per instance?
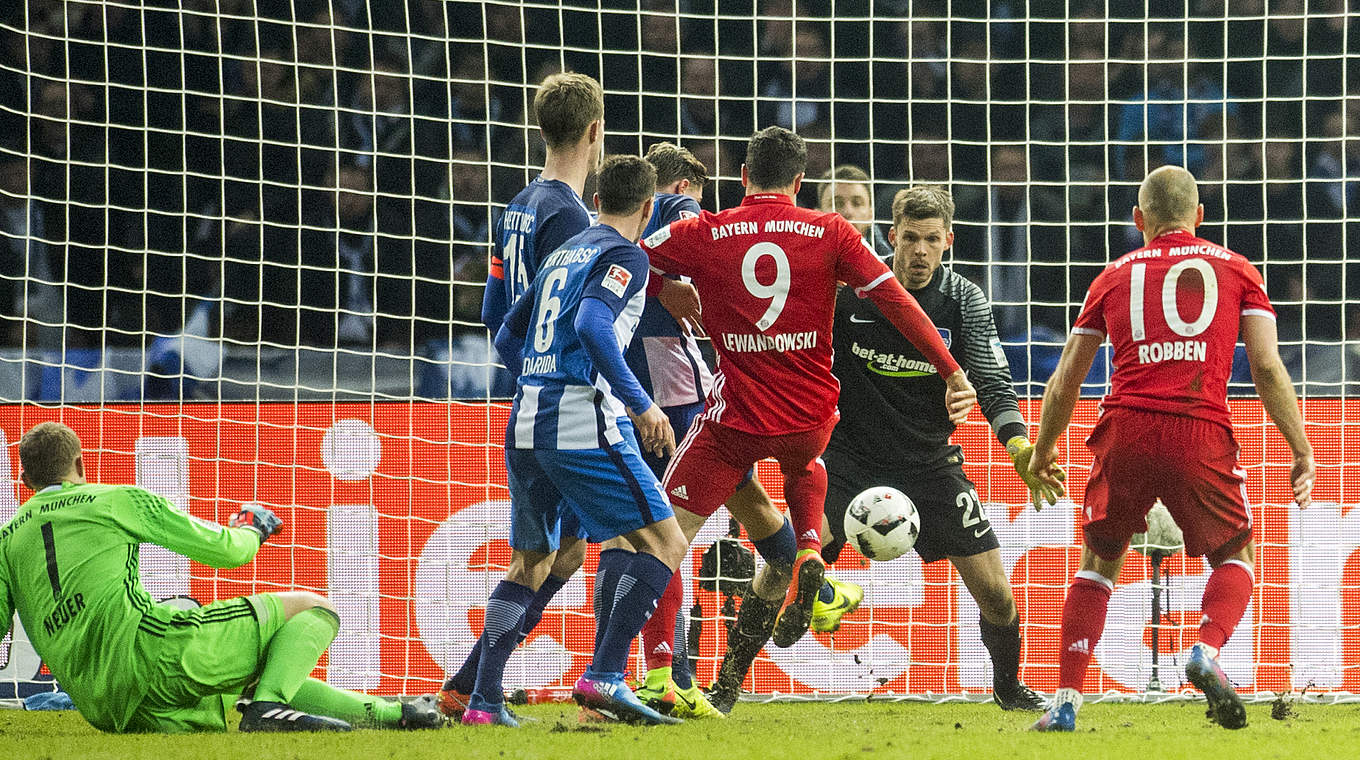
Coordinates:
(892, 401)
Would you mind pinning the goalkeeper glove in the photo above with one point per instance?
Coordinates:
(257, 518)
(1021, 450)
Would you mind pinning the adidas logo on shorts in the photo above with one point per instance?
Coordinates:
(679, 492)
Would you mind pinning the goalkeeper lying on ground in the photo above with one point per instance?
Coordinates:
(68, 565)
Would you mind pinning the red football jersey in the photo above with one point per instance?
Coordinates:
(767, 272)
(1171, 310)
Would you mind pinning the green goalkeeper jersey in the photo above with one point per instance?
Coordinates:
(68, 565)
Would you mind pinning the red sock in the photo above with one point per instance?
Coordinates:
(1226, 597)
(1083, 620)
(658, 633)
(805, 492)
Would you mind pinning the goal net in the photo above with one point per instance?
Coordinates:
(244, 243)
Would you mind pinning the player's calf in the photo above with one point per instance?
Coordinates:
(755, 621)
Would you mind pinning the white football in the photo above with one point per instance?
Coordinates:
(882, 523)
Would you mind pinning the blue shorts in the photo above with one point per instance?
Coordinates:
(610, 492)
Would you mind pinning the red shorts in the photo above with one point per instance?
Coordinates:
(1190, 463)
(713, 459)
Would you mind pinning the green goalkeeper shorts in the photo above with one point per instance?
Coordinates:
(209, 656)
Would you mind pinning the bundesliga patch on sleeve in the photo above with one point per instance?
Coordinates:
(658, 237)
(616, 280)
(685, 214)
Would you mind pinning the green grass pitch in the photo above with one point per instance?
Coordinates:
(815, 731)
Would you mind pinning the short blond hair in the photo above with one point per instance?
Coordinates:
(565, 106)
(923, 202)
(47, 452)
(1169, 194)
(674, 163)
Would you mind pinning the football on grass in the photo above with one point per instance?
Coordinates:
(882, 523)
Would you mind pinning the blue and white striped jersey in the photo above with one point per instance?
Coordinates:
(563, 401)
(542, 217)
(667, 361)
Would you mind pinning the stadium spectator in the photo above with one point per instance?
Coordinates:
(85, 96)
(1019, 225)
(795, 89)
(1170, 116)
(1167, 413)
(29, 292)
(338, 263)
(134, 666)
(467, 190)
(698, 96)
(377, 121)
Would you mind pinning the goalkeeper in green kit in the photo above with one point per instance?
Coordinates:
(68, 566)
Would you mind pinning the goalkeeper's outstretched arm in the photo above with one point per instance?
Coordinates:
(201, 541)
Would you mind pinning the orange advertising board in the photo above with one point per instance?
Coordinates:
(399, 512)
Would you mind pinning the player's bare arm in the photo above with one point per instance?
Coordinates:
(1060, 400)
(681, 300)
(959, 396)
(1277, 396)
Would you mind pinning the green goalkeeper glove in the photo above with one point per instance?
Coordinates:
(1021, 450)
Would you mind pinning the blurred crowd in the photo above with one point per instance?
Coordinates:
(327, 173)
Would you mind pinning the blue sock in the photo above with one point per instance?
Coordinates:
(640, 585)
(779, 546)
(504, 615)
(826, 594)
(612, 563)
(465, 679)
(680, 654)
(534, 613)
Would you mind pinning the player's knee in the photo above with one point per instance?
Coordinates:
(662, 539)
(570, 556)
(295, 602)
(996, 603)
(1239, 547)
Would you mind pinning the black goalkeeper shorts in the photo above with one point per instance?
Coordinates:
(953, 522)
